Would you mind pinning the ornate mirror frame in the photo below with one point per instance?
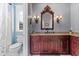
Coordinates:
(47, 9)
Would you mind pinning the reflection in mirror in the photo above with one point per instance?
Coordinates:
(46, 19)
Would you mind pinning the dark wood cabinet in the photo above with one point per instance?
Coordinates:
(49, 44)
(75, 46)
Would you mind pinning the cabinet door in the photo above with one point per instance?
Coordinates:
(75, 46)
(65, 44)
(59, 44)
(45, 44)
(35, 45)
(44, 40)
(56, 44)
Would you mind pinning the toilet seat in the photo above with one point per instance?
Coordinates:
(15, 45)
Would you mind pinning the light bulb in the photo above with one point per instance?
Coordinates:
(57, 16)
(38, 17)
(61, 17)
(34, 17)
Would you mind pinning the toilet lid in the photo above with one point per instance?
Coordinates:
(15, 45)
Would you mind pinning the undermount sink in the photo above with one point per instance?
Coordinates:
(48, 32)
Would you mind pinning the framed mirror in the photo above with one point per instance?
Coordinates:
(47, 19)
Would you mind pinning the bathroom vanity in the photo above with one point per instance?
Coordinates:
(49, 44)
(43, 41)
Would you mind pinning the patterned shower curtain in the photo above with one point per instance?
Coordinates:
(3, 24)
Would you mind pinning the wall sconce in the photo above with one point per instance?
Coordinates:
(58, 18)
(36, 18)
(30, 20)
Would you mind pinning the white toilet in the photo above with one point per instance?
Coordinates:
(14, 49)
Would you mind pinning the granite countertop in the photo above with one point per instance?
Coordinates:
(50, 33)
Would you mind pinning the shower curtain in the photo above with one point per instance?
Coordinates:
(2, 24)
(3, 27)
(5, 31)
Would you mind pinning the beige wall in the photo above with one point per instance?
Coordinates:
(75, 17)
